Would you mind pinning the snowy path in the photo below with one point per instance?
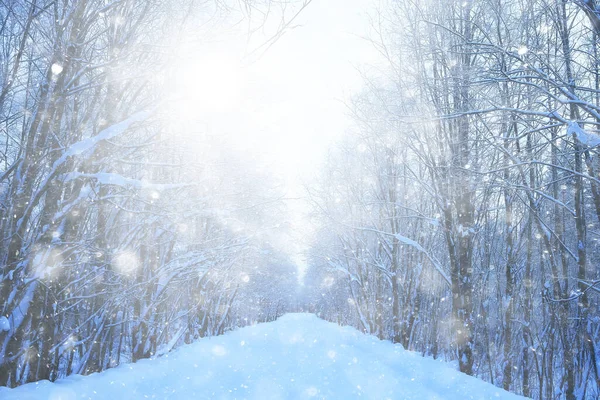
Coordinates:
(296, 357)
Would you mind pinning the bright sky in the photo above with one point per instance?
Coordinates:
(300, 84)
(284, 109)
(287, 106)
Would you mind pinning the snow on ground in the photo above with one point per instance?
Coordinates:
(296, 357)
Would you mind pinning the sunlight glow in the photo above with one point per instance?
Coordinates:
(207, 83)
(240, 109)
(274, 115)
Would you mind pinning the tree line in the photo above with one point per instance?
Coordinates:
(460, 216)
(121, 234)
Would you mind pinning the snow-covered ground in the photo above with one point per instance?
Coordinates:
(296, 357)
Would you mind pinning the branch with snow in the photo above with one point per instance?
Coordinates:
(588, 139)
(107, 178)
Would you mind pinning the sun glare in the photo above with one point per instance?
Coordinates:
(213, 91)
(208, 83)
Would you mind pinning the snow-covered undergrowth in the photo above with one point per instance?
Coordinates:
(296, 357)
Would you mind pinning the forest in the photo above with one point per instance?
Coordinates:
(459, 215)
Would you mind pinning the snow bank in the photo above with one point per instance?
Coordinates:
(296, 357)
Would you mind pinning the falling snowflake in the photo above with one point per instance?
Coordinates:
(56, 69)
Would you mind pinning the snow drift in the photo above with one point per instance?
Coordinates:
(298, 356)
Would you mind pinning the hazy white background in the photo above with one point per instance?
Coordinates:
(280, 109)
